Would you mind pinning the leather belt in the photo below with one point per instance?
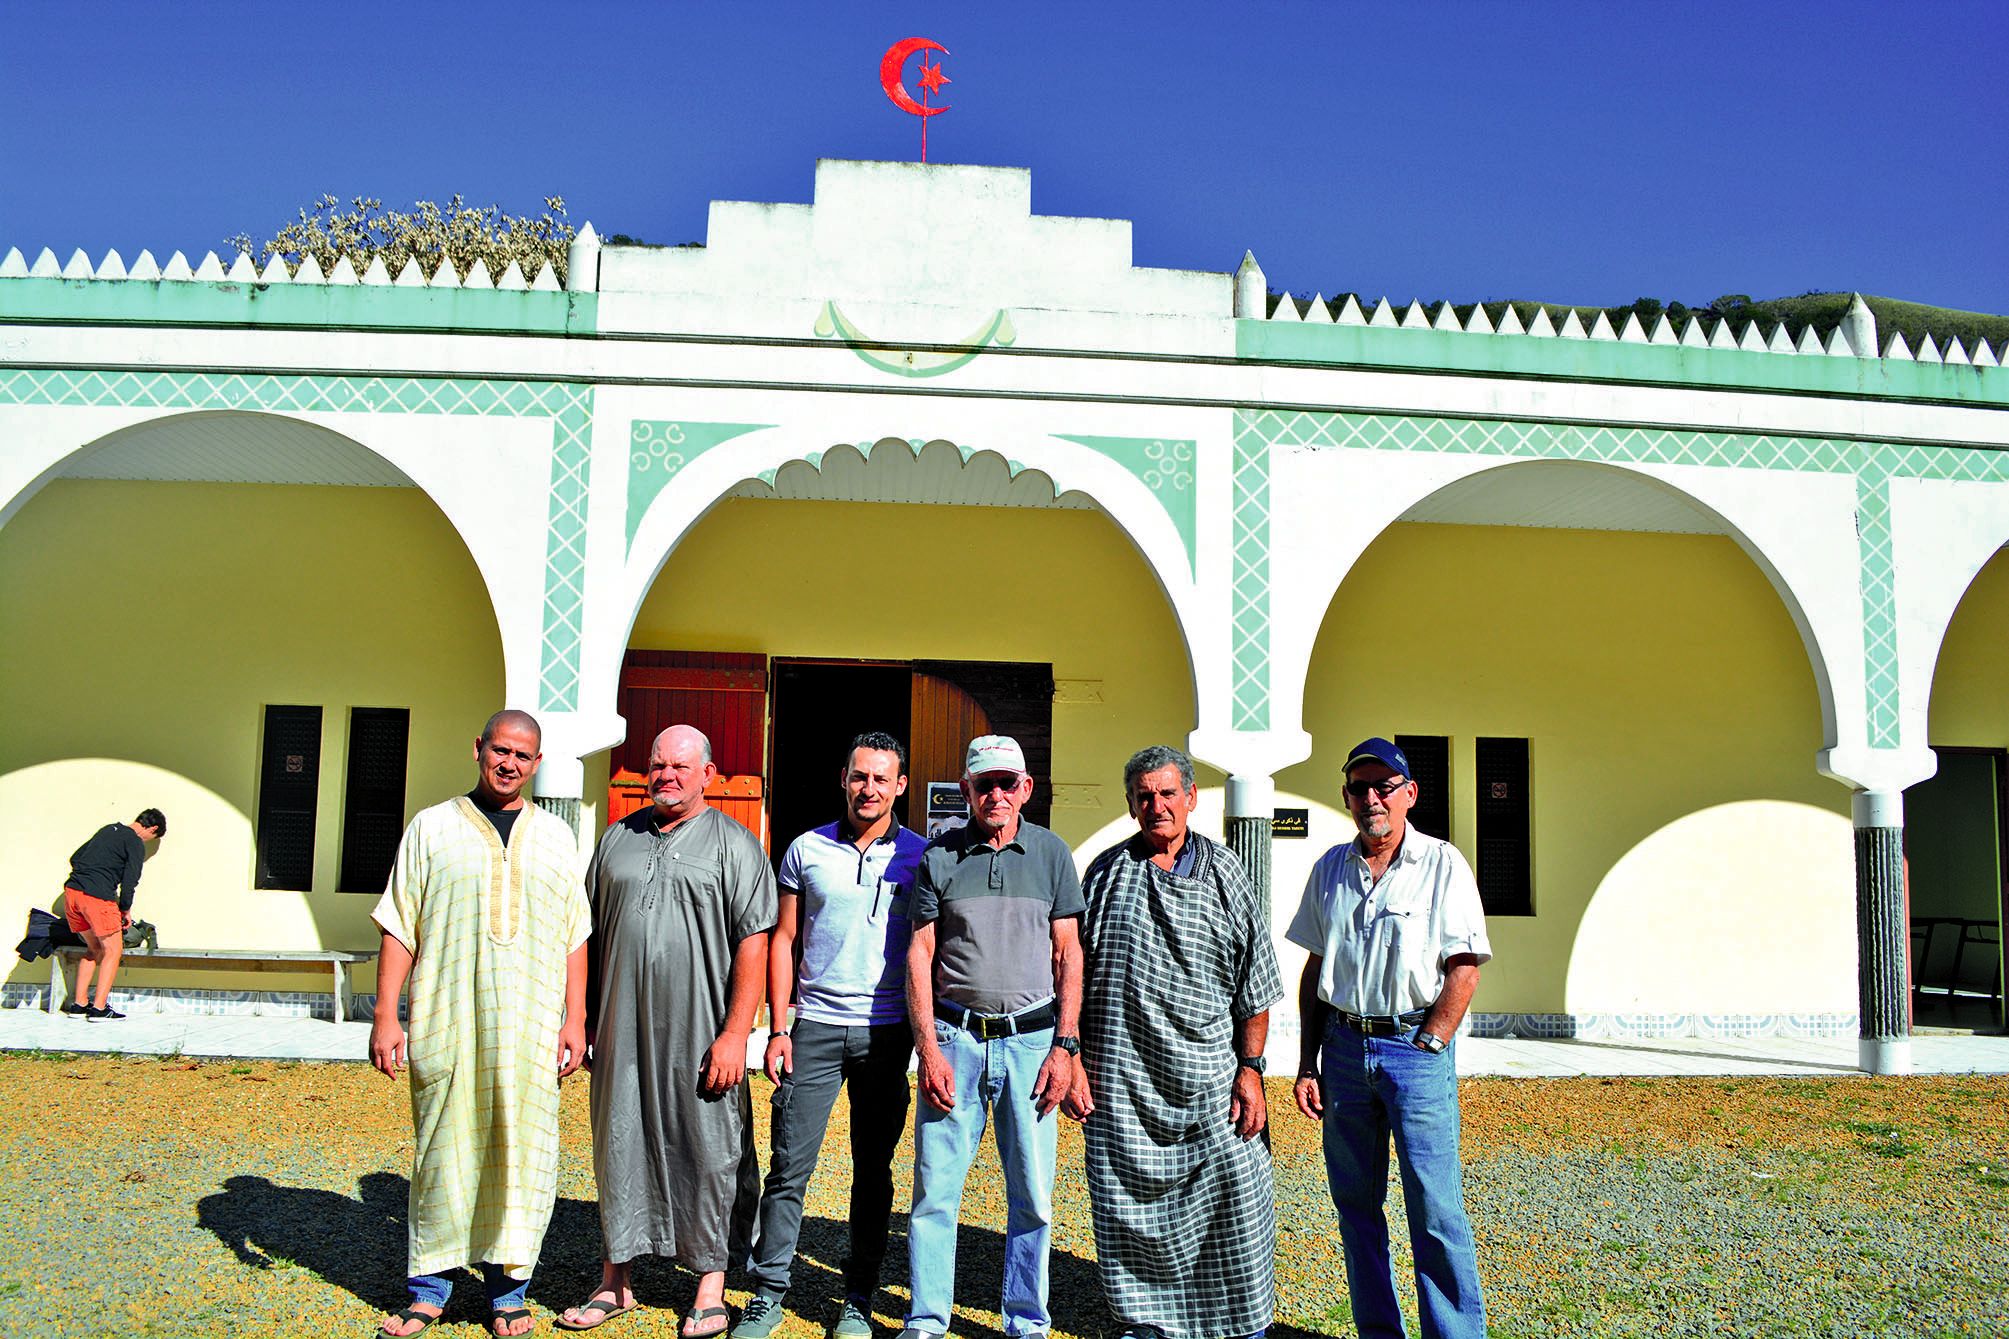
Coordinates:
(1383, 1025)
(989, 1027)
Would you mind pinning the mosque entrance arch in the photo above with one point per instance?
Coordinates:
(951, 592)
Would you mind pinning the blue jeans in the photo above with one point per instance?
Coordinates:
(1374, 1087)
(994, 1078)
(504, 1292)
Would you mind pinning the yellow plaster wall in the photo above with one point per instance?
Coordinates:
(143, 628)
(884, 581)
(1687, 856)
(1970, 703)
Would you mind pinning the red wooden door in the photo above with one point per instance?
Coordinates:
(723, 694)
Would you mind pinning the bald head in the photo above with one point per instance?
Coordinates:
(680, 767)
(682, 738)
(512, 719)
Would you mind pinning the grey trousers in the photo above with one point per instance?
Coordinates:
(873, 1061)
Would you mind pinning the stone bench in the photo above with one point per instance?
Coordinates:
(236, 959)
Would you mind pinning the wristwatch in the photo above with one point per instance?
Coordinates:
(1072, 1045)
(1259, 1064)
(1428, 1041)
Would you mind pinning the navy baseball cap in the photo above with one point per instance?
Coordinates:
(1378, 750)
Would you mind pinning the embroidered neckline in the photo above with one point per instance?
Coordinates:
(504, 891)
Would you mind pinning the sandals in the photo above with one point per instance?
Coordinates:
(705, 1313)
(514, 1313)
(430, 1318)
(606, 1310)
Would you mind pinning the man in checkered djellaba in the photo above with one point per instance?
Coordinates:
(1179, 976)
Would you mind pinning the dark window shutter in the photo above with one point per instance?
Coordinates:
(1506, 881)
(1430, 768)
(373, 802)
(289, 787)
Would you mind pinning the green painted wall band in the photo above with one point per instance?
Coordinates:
(330, 306)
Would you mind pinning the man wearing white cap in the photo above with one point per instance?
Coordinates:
(1396, 933)
(994, 996)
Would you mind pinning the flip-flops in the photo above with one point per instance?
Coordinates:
(705, 1313)
(514, 1313)
(606, 1310)
(430, 1319)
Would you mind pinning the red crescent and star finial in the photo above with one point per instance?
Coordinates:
(892, 67)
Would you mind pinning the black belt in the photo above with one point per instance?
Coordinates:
(1383, 1025)
(989, 1027)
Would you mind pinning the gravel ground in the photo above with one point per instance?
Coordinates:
(153, 1197)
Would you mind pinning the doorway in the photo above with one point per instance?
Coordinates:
(819, 708)
(1958, 868)
(779, 728)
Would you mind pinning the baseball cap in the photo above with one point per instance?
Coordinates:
(1377, 749)
(994, 753)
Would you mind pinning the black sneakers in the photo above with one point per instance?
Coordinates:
(105, 1014)
(74, 1009)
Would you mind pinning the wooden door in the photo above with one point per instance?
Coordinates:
(723, 694)
(942, 719)
(1003, 697)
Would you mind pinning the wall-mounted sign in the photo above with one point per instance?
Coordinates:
(947, 809)
(1294, 824)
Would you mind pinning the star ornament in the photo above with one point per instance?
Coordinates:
(932, 77)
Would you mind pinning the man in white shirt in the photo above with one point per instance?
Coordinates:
(1396, 933)
(839, 953)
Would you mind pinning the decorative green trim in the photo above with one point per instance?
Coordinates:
(1614, 360)
(568, 407)
(1872, 464)
(658, 448)
(333, 306)
(1165, 467)
(1249, 582)
(565, 547)
(999, 330)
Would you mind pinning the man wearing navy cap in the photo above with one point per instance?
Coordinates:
(1396, 933)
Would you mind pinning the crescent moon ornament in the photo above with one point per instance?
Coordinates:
(892, 78)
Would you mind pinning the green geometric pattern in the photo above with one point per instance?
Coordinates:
(1249, 580)
(568, 407)
(565, 545)
(1163, 466)
(1873, 465)
(658, 448)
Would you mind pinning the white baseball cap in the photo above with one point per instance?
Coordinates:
(994, 753)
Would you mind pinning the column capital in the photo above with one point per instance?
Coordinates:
(1249, 753)
(569, 738)
(1864, 768)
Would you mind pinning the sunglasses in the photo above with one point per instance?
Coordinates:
(984, 785)
(1384, 788)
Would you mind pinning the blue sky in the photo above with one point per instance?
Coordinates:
(1574, 152)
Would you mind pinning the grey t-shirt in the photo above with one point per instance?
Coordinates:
(993, 911)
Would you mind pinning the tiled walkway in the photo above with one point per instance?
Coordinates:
(311, 1039)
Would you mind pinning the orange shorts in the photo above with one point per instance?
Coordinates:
(95, 914)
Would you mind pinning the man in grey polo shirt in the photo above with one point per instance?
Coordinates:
(994, 993)
(839, 952)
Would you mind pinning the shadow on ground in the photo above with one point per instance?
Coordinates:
(358, 1245)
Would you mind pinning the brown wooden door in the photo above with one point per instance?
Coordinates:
(942, 719)
(723, 694)
(1003, 697)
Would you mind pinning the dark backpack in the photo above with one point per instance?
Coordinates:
(143, 933)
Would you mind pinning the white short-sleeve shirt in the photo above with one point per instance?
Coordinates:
(1384, 945)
